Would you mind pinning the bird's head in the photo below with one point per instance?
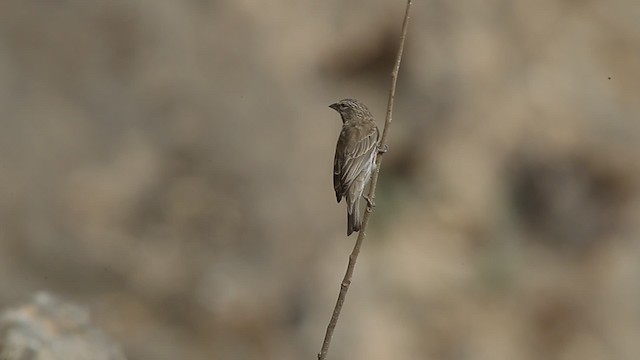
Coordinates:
(350, 109)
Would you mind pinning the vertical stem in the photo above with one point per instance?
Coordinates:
(346, 281)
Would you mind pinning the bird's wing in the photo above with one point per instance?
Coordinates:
(352, 156)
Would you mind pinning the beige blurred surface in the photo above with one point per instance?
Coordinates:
(168, 163)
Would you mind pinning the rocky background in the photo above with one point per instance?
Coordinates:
(168, 165)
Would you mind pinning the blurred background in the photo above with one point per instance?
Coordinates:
(169, 165)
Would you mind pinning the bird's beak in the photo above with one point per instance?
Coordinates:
(334, 106)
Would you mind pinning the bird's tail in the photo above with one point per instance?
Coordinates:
(353, 218)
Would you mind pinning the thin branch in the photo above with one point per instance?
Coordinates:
(346, 281)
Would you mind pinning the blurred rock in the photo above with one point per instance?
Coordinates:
(171, 161)
(49, 328)
(569, 202)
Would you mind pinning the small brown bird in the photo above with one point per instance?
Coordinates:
(355, 158)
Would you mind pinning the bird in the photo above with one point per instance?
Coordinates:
(355, 157)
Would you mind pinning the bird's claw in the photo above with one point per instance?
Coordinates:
(370, 203)
(383, 149)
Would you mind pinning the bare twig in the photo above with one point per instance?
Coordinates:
(346, 281)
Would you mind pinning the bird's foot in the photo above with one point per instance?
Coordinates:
(370, 203)
(383, 149)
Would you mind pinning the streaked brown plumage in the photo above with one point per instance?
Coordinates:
(355, 157)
